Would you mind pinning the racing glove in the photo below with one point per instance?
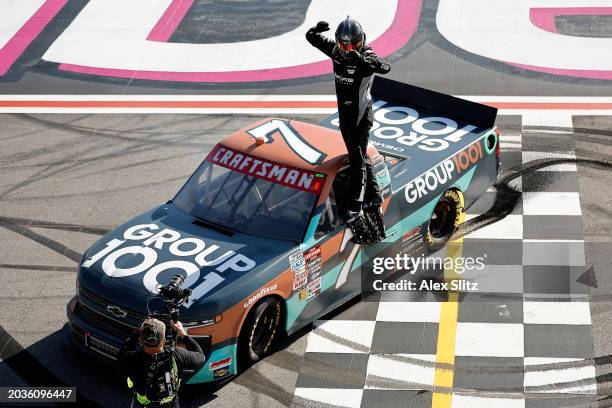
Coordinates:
(321, 27)
(371, 61)
(318, 40)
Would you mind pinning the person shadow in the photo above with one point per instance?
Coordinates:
(54, 362)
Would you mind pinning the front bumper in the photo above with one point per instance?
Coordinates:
(101, 343)
(90, 339)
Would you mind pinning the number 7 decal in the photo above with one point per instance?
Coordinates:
(293, 139)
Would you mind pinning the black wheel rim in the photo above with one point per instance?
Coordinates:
(443, 218)
(264, 330)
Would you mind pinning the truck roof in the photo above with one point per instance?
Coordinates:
(291, 142)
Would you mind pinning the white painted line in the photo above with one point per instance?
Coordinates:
(511, 138)
(349, 398)
(341, 336)
(509, 227)
(551, 118)
(553, 252)
(408, 312)
(531, 156)
(556, 313)
(510, 146)
(198, 111)
(550, 132)
(183, 98)
(537, 99)
(400, 371)
(251, 111)
(551, 203)
(554, 377)
(230, 111)
(489, 340)
(468, 401)
(286, 97)
(577, 112)
(535, 107)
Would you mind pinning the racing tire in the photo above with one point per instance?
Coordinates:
(260, 331)
(444, 219)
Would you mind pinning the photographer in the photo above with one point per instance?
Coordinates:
(154, 369)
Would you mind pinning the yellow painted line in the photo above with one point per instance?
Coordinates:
(447, 331)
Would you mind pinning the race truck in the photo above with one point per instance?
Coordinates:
(256, 232)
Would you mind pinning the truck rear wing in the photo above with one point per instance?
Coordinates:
(418, 128)
(427, 101)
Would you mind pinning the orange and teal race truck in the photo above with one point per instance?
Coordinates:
(256, 234)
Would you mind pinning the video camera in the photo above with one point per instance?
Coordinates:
(173, 296)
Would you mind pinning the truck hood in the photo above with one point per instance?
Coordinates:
(222, 268)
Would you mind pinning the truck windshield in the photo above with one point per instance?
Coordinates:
(251, 198)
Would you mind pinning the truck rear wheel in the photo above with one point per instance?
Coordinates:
(260, 330)
(444, 219)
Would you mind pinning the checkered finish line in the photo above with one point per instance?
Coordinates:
(523, 340)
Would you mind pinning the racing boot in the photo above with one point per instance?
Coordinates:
(362, 233)
(375, 217)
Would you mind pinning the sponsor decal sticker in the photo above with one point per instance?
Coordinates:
(410, 234)
(259, 295)
(297, 263)
(299, 281)
(303, 294)
(224, 362)
(412, 241)
(403, 126)
(146, 242)
(314, 288)
(314, 275)
(313, 268)
(467, 157)
(430, 181)
(221, 372)
(309, 181)
(307, 279)
(313, 252)
(442, 174)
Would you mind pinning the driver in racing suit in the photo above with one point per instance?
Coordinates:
(354, 66)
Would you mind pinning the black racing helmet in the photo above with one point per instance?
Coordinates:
(350, 35)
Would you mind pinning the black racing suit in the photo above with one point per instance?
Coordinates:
(354, 74)
(134, 362)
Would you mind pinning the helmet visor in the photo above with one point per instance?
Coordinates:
(349, 46)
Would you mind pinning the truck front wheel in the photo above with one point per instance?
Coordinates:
(261, 329)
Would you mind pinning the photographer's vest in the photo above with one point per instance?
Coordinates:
(162, 381)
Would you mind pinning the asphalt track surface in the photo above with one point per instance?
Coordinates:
(67, 179)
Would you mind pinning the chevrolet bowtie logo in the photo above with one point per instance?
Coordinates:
(116, 311)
